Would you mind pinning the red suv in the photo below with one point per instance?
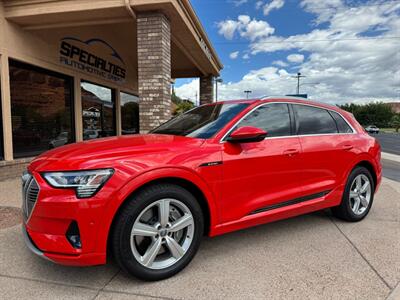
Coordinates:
(149, 199)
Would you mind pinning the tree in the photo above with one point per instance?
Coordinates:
(396, 122)
(183, 106)
(376, 113)
(175, 99)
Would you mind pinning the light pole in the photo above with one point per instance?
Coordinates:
(247, 94)
(217, 80)
(173, 86)
(298, 76)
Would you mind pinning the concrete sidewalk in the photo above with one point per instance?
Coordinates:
(309, 257)
(390, 156)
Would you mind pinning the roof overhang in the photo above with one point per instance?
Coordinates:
(192, 52)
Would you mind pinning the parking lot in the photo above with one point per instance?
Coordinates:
(309, 257)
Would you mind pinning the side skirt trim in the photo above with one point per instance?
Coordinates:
(290, 202)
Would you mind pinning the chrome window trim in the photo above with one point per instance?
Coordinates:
(222, 140)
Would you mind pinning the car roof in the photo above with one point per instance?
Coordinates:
(286, 99)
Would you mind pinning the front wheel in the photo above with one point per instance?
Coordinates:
(357, 197)
(158, 232)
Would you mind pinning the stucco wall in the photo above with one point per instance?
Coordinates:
(41, 48)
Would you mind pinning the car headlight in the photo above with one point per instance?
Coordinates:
(85, 183)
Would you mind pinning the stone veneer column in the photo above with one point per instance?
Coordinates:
(206, 90)
(154, 69)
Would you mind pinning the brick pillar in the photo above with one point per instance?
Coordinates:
(154, 69)
(206, 90)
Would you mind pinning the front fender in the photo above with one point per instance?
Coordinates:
(138, 181)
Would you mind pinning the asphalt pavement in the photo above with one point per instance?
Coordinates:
(390, 142)
(391, 169)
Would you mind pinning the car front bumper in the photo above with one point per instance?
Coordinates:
(46, 227)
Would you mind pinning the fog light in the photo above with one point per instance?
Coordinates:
(73, 235)
(75, 241)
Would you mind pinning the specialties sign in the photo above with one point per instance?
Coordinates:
(93, 56)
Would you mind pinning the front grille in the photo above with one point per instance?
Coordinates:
(30, 193)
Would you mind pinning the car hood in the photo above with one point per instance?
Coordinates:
(105, 152)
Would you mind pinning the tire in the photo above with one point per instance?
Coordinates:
(132, 253)
(348, 209)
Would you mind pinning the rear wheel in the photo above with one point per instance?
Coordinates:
(158, 232)
(357, 197)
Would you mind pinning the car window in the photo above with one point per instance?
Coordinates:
(274, 118)
(342, 126)
(313, 120)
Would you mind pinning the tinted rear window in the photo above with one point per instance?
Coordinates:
(343, 127)
(313, 120)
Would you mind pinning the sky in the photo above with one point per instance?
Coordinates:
(349, 51)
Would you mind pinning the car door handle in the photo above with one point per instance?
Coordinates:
(347, 147)
(291, 152)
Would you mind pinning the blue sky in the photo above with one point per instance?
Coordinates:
(349, 50)
(287, 21)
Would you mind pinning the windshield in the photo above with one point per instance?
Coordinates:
(202, 122)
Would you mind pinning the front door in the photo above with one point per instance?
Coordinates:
(260, 176)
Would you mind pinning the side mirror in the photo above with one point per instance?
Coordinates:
(247, 134)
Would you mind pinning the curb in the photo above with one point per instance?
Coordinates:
(395, 293)
(390, 156)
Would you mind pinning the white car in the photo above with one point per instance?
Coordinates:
(372, 129)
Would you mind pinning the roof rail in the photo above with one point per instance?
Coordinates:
(284, 97)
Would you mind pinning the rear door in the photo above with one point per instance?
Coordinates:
(262, 175)
(327, 148)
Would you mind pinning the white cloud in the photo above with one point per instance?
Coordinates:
(246, 56)
(279, 63)
(239, 2)
(227, 28)
(295, 58)
(324, 10)
(246, 27)
(347, 64)
(274, 4)
(234, 55)
(259, 4)
(189, 90)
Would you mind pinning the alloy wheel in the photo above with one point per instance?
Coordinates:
(162, 234)
(360, 194)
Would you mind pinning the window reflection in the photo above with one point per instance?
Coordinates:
(273, 118)
(129, 113)
(1, 130)
(97, 111)
(41, 108)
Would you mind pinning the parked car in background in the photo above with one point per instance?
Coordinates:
(372, 129)
(149, 199)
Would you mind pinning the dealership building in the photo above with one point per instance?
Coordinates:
(81, 69)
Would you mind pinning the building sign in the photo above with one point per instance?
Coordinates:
(93, 56)
(91, 113)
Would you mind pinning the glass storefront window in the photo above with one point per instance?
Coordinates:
(129, 113)
(98, 111)
(41, 109)
(1, 129)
